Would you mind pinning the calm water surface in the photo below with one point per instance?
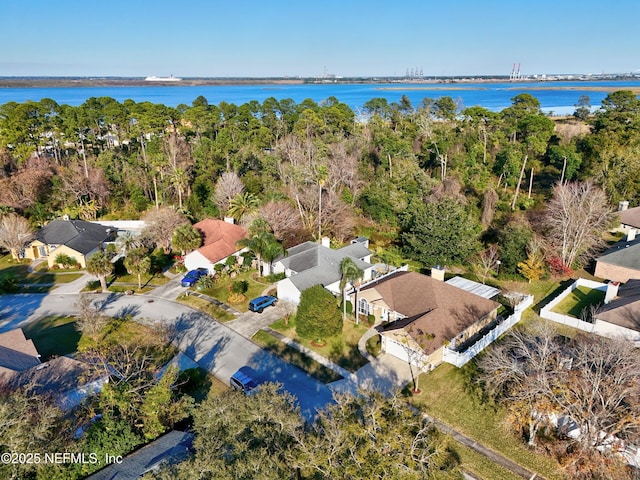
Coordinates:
(494, 96)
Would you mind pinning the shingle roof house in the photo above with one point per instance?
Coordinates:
(621, 262)
(630, 218)
(76, 238)
(16, 353)
(220, 240)
(310, 264)
(420, 314)
(624, 309)
(67, 379)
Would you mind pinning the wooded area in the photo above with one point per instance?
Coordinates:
(428, 182)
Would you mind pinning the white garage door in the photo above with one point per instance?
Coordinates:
(401, 351)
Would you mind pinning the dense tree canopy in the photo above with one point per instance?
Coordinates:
(440, 233)
(318, 315)
(312, 168)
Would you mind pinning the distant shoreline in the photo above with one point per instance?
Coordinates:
(444, 83)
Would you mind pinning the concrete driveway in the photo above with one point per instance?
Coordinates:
(249, 323)
(213, 345)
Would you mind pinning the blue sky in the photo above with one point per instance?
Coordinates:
(257, 38)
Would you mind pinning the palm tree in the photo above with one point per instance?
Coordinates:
(137, 262)
(264, 245)
(100, 265)
(186, 238)
(272, 250)
(128, 241)
(242, 204)
(349, 273)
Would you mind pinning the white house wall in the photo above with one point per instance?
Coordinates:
(195, 260)
(611, 330)
(288, 291)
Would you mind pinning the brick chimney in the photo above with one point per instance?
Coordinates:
(437, 273)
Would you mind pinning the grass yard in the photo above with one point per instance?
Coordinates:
(479, 465)
(147, 280)
(579, 299)
(295, 357)
(206, 307)
(221, 288)
(451, 395)
(53, 336)
(341, 349)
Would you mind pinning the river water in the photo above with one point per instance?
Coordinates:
(555, 97)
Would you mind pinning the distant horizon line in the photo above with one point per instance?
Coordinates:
(327, 77)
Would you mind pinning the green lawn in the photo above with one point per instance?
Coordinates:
(579, 299)
(53, 336)
(479, 465)
(207, 307)
(341, 349)
(147, 280)
(451, 395)
(220, 290)
(295, 357)
(10, 268)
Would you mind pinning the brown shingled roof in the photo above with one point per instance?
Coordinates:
(435, 311)
(630, 216)
(16, 353)
(220, 238)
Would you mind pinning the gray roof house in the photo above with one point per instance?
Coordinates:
(622, 261)
(172, 448)
(76, 238)
(310, 264)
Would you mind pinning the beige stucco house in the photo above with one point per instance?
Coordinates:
(76, 238)
(418, 315)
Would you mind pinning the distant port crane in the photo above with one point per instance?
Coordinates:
(515, 74)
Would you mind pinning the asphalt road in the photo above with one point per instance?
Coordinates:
(213, 345)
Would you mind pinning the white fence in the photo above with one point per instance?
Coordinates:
(461, 358)
(547, 314)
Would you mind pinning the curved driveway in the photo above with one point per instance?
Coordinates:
(213, 345)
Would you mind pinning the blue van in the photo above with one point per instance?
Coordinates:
(244, 380)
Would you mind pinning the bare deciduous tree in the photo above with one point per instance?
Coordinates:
(489, 201)
(521, 370)
(160, 225)
(487, 262)
(227, 187)
(590, 384)
(89, 320)
(577, 215)
(15, 233)
(281, 217)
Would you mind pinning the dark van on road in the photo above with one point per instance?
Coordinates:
(244, 380)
